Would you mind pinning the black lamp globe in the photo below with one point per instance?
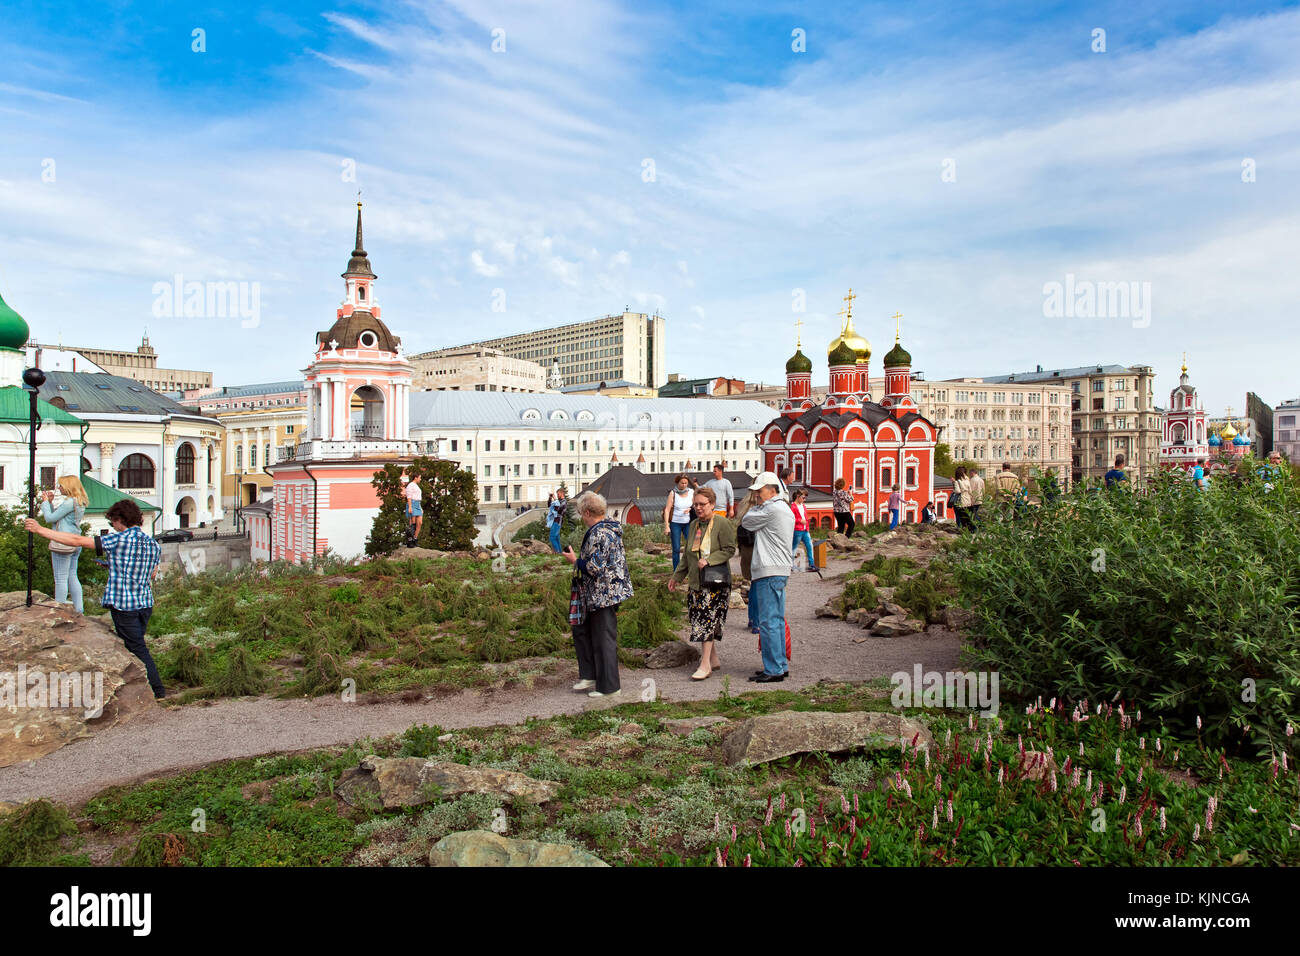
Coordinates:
(34, 378)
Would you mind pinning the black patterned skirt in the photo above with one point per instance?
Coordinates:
(707, 609)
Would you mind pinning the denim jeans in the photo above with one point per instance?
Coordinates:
(677, 531)
(65, 578)
(770, 595)
(893, 518)
(130, 627)
(555, 537)
(804, 538)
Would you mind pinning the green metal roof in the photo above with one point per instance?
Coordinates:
(101, 497)
(15, 407)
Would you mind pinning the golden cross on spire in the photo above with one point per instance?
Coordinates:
(849, 299)
(1229, 411)
(798, 333)
(358, 198)
(897, 316)
(1184, 363)
(842, 313)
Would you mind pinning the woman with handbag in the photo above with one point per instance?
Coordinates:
(706, 564)
(63, 557)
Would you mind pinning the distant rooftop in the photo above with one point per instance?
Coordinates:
(1049, 374)
(558, 411)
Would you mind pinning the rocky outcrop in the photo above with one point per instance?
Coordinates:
(773, 736)
(685, 725)
(672, 654)
(484, 848)
(411, 781)
(896, 625)
(44, 714)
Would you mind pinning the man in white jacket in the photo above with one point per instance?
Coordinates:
(772, 522)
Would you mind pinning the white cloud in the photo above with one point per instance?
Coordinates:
(481, 267)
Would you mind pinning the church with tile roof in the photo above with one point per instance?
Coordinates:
(870, 444)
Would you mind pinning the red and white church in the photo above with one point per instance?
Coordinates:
(871, 445)
(358, 385)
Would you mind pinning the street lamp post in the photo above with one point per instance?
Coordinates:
(33, 379)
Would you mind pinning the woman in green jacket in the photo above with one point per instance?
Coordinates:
(710, 543)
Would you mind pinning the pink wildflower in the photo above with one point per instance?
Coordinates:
(767, 818)
(1123, 792)
(783, 801)
(1142, 744)
(1053, 781)
(748, 861)
(1139, 826)
(934, 820)
(1162, 819)
(950, 809)
(855, 803)
(1088, 786)
(1196, 833)
(720, 863)
(1117, 756)
(1140, 769)
(1198, 721)
(1080, 748)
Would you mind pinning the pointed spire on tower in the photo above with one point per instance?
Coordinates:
(359, 264)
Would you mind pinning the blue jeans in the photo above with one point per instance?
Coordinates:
(65, 578)
(806, 539)
(769, 595)
(677, 531)
(130, 627)
(893, 518)
(555, 537)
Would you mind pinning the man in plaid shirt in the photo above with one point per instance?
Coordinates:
(132, 560)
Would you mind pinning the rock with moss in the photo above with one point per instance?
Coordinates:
(411, 781)
(773, 736)
(672, 654)
(485, 848)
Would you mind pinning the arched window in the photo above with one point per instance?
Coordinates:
(136, 471)
(86, 467)
(185, 464)
(252, 456)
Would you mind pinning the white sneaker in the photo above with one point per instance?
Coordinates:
(584, 684)
(596, 693)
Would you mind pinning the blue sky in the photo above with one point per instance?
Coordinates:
(775, 171)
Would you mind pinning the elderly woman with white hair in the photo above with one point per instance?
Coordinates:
(601, 582)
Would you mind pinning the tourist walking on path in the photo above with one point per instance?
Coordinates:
(895, 506)
(64, 557)
(725, 494)
(1116, 474)
(601, 583)
(555, 513)
(132, 560)
(745, 541)
(677, 514)
(706, 569)
(801, 534)
(414, 504)
(772, 522)
(1007, 484)
(842, 507)
(976, 497)
(961, 497)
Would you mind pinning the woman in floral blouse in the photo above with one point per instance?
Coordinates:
(601, 582)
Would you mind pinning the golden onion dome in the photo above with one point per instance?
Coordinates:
(1228, 433)
(848, 336)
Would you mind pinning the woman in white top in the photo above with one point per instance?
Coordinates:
(961, 497)
(677, 514)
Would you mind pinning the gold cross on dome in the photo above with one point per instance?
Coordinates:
(841, 313)
(1229, 411)
(849, 299)
(798, 333)
(897, 316)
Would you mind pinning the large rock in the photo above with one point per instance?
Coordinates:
(672, 654)
(773, 736)
(484, 848)
(735, 599)
(954, 618)
(839, 541)
(411, 781)
(47, 638)
(829, 609)
(685, 725)
(896, 625)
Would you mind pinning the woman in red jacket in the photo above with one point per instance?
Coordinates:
(801, 535)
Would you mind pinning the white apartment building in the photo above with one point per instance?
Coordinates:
(628, 346)
(520, 447)
(1286, 431)
(475, 368)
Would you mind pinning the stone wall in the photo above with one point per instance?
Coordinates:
(201, 555)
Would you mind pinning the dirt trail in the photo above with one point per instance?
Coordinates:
(171, 739)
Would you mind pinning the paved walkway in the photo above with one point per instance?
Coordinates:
(171, 739)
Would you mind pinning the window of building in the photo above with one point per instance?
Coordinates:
(487, 492)
(288, 429)
(453, 444)
(239, 457)
(531, 471)
(911, 476)
(532, 445)
(136, 471)
(1099, 385)
(469, 444)
(516, 449)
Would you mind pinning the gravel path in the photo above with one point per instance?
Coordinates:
(170, 739)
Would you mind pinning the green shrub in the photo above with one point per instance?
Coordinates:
(647, 619)
(889, 571)
(242, 675)
(420, 740)
(859, 592)
(190, 662)
(31, 834)
(1184, 600)
(323, 665)
(923, 594)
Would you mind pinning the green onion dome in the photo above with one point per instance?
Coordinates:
(842, 354)
(897, 356)
(13, 328)
(798, 363)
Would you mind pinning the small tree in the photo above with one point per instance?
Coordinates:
(450, 503)
(389, 529)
